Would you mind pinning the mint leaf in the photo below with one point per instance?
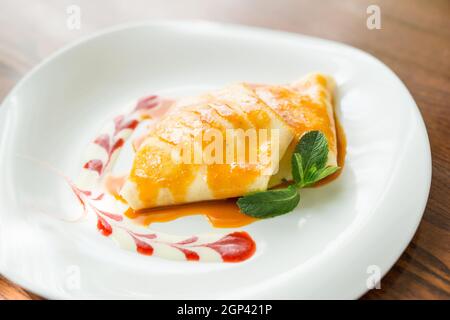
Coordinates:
(313, 148)
(297, 168)
(313, 152)
(325, 172)
(269, 203)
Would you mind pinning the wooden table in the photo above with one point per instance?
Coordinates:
(414, 41)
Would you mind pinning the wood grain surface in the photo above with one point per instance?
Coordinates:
(414, 41)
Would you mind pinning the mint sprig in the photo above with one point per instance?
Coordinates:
(313, 151)
(308, 166)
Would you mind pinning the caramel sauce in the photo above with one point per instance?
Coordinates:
(220, 213)
(226, 180)
(150, 176)
(301, 111)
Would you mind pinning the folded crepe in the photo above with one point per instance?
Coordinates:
(161, 176)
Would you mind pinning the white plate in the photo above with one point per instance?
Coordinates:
(334, 243)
